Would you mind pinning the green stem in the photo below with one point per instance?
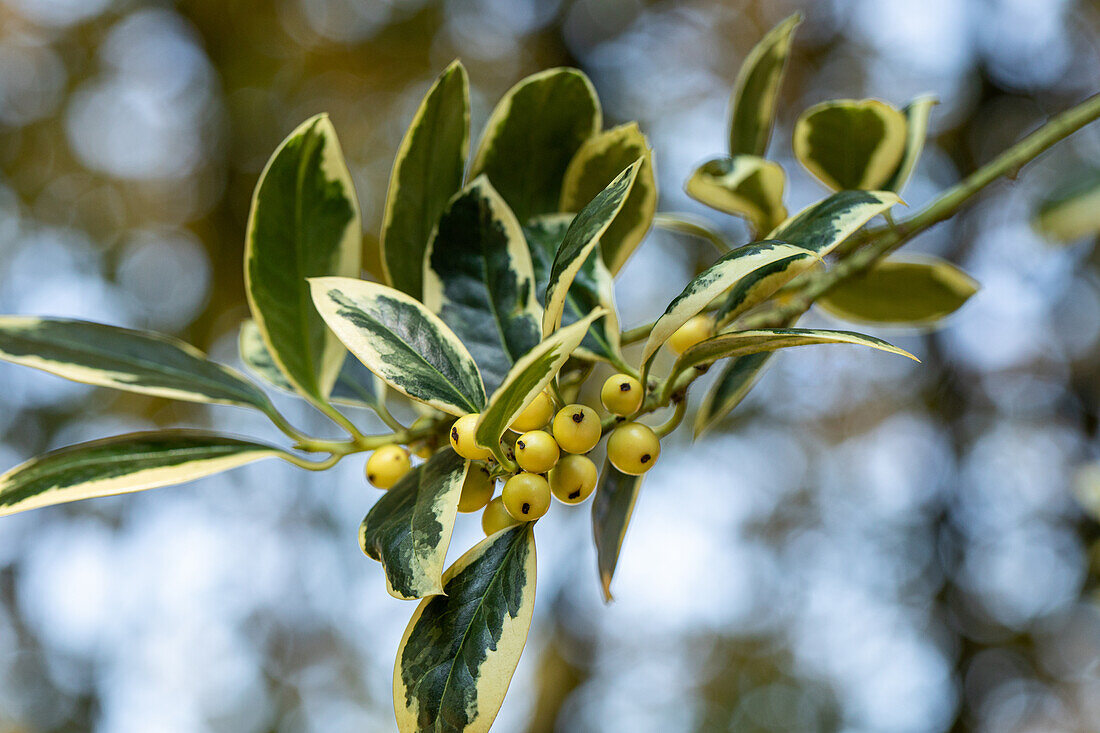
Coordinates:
(943, 207)
(312, 465)
(387, 417)
(340, 419)
(674, 421)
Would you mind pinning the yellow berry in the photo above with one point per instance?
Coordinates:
(535, 415)
(536, 451)
(573, 479)
(622, 394)
(633, 448)
(423, 451)
(462, 438)
(526, 496)
(496, 517)
(387, 465)
(477, 489)
(691, 333)
(577, 428)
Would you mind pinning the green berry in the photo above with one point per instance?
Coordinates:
(462, 438)
(574, 479)
(577, 428)
(387, 465)
(633, 448)
(526, 496)
(496, 517)
(536, 451)
(622, 394)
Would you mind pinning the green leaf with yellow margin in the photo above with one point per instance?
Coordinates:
(478, 278)
(600, 159)
(742, 343)
(851, 144)
(531, 136)
(409, 529)
(304, 223)
(530, 375)
(757, 286)
(356, 386)
(822, 226)
(402, 342)
(719, 277)
(121, 358)
(123, 464)
(916, 292)
(916, 114)
(592, 288)
(731, 387)
(582, 236)
(1071, 212)
(611, 511)
(757, 88)
(745, 186)
(427, 172)
(460, 650)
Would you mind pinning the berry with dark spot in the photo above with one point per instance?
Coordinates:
(574, 479)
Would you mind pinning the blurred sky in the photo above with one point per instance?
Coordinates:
(870, 544)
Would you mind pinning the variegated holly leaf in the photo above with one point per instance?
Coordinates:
(759, 285)
(592, 288)
(533, 134)
(742, 343)
(611, 511)
(530, 376)
(1071, 212)
(123, 464)
(402, 342)
(731, 387)
(598, 161)
(355, 386)
(745, 186)
(478, 278)
(427, 172)
(719, 277)
(460, 649)
(120, 358)
(304, 223)
(580, 239)
(916, 292)
(851, 144)
(822, 226)
(409, 529)
(757, 88)
(916, 130)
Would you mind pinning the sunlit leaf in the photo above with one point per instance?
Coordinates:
(592, 288)
(459, 651)
(851, 144)
(580, 239)
(427, 172)
(745, 186)
(123, 464)
(916, 118)
(733, 384)
(408, 530)
(478, 278)
(1071, 212)
(304, 223)
(533, 134)
(901, 293)
(757, 89)
(822, 226)
(120, 358)
(598, 161)
(719, 277)
(402, 342)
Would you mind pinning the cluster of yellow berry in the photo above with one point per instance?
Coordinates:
(543, 436)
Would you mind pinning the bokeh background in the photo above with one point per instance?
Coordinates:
(869, 545)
